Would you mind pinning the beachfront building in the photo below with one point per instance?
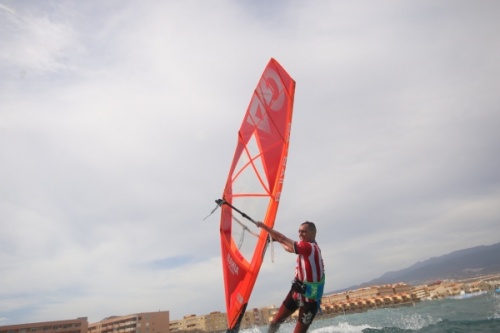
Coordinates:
(268, 314)
(217, 321)
(402, 288)
(213, 322)
(339, 302)
(144, 322)
(174, 325)
(188, 323)
(334, 298)
(385, 290)
(78, 325)
(251, 318)
(367, 298)
(444, 289)
(257, 318)
(478, 286)
(363, 293)
(420, 292)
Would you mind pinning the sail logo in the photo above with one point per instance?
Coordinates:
(281, 179)
(269, 95)
(232, 265)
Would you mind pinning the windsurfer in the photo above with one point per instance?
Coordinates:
(307, 287)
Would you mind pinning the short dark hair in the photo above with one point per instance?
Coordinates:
(310, 225)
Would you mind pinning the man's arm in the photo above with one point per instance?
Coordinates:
(286, 242)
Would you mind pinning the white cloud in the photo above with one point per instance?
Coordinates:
(35, 42)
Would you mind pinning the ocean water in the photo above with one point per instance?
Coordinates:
(478, 314)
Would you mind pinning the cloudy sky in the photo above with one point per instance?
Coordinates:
(118, 121)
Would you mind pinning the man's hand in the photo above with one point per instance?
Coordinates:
(259, 224)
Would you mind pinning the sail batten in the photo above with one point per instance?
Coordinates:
(254, 185)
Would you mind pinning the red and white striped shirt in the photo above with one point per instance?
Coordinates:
(310, 266)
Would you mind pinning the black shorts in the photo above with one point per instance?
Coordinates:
(307, 312)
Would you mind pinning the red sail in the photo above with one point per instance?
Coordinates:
(254, 185)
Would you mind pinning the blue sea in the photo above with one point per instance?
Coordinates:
(478, 314)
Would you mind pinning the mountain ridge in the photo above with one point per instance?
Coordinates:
(460, 264)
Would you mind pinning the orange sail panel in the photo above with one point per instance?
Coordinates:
(254, 186)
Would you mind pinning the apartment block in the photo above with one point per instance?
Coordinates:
(217, 321)
(402, 288)
(335, 298)
(267, 314)
(145, 322)
(213, 322)
(78, 325)
(188, 323)
(363, 293)
(420, 292)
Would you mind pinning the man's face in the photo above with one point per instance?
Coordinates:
(305, 234)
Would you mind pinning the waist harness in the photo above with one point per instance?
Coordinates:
(311, 290)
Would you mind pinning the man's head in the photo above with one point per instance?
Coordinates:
(307, 231)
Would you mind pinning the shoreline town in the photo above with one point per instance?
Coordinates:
(359, 300)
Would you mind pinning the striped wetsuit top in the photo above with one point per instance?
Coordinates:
(310, 266)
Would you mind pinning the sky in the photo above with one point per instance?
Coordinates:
(119, 119)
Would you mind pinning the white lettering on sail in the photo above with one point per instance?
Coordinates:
(281, 178)
(231, 264)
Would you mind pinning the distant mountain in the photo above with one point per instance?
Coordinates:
(462, 264)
